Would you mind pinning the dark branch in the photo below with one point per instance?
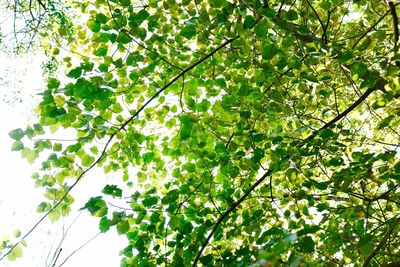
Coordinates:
(380, 245)
(41, 4)
(320, 22)
(395, 28)
(379, 84)
(370, 29)
(58, 255)
(103, 155)
(175, 79)
(227, 212)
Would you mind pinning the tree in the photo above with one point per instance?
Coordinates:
(244, 132)
(26, 21)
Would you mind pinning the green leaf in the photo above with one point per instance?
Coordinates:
(170, 197)
(326, 133)
(186, 128)
(249, 22)
(75, 73)
(83, 89)
(96, 206)
(217, 3)
(101, 18)
(187, 228)
(123, 227)
(188, 32)
(261, 29)
(207, 260)
(104, 224)
(29, 155)
(17, 146)
(112, 190)
(53, 83)
(150, 201)
(54, 215)
(135, 19)
(15, 253)
(94, 25)
(125, 2)
(269, 51)
(308, 229)
(306, 245)
(268, 12)
(87, 160)
(101, 51)
(123, 38)
(148, 157)
(291, 15)
(17, 134)
(336, 161)
(258, 155)
(43, 207)
(385, 122)
(17, 233)
(104, 37)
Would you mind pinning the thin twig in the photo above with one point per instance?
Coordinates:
(320, 21)
(58, 255)
(370, 29)
(380, 245)
(76, 250)
(270, 171)
(103, 155)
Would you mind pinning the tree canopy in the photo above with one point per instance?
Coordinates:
(240, 133)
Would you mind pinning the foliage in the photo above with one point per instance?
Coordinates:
(244, 132)
(26, 21)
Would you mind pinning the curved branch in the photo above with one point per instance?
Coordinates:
(380, 245)
(227, 212)
(319, 20)
(379, 84)
(103, 154)
(76, 250)
(370, 29)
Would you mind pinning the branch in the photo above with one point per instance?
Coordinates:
(227, 212)
(380, 245)
(175, 79)
(306, 38)
(379, 84)
(370, 29)
(76, 250)
(58, 255)
(41, 4)
(320, 22)
(103, 154)
(395, 28)
(136, 42)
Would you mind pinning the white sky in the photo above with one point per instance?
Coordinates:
(20, 80)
